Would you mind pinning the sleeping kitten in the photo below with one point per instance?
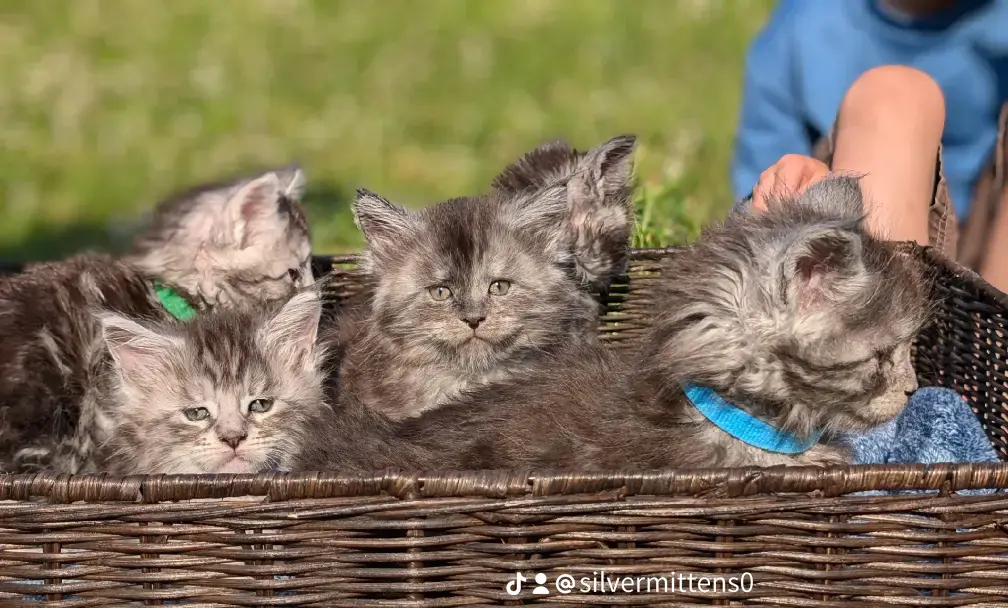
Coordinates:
(45, 311)
(797, 316)
(469, 291)
(224, 393)
(599, 198)
(240, 241)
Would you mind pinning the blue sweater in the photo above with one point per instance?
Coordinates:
(811, 51)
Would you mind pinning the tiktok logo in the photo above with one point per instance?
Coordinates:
(514, 587)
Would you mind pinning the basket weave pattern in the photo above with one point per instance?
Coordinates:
(457, 538)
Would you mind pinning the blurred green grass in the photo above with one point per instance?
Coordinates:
(108, 105)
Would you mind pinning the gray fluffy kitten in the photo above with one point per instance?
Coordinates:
(599, 197)
(796, 315)
(252, 229)
(223, 393)
(469, 291)
(234, 242)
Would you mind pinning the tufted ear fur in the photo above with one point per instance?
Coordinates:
(822, 264)
(291, 333)
(542, 213)
(253, 210)
(139, 353)
(383, 223)
(608, 168)
(839, 197)
(292, 182)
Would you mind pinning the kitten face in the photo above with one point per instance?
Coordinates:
(244, 241)
(800, 314)
(224, 393)
(599, 198)
(470, 282)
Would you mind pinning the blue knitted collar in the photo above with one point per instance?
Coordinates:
(746, 427)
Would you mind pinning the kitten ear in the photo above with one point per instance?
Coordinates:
(291, 333)
(384, 224)
(838, 196)
(543, 212)
(291, 182)
(824, 264)
(602, 210)
(252, 208)
(137, 351)
(536, 168)
(609, 167)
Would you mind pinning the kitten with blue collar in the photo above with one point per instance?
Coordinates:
(773, 334)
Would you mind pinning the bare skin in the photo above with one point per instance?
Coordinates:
(888, 130)
(994, 270)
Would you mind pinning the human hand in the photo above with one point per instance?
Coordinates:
(789, 175)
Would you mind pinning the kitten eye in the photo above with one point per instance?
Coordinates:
(295, 274)
(500, 287)
(196, 414)
(440, 293)
(261, 405)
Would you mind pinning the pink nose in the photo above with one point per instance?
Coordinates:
(233, 440)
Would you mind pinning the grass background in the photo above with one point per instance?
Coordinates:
(106, 106)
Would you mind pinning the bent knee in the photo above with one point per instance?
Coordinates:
(897, 93)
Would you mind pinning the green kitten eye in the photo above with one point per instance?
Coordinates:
(440, 293)
(197, 413)
(500, 287)
(261, 405)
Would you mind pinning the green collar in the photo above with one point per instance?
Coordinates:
(176, 305)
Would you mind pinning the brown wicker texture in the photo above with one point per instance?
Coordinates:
(773, 537)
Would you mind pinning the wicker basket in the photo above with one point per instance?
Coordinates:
(784, 536)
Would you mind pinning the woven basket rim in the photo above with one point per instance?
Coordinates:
(726, 482)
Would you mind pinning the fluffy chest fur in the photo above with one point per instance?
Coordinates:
(403, 384)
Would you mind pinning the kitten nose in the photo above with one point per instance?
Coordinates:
(473, 321)
(233, 439)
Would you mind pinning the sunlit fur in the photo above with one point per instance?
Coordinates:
(797, 315)
(221, 361)
(415, 352)
(241, 241)
(804, 316)
(230, 244)
(599, 198)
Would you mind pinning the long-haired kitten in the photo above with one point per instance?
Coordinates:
(234, 242)
(468, 291)
(599, 199)
(797, 317)
(252, 228)
(600, 210)
(224, 393)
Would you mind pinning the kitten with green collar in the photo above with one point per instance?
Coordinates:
(231, 244)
